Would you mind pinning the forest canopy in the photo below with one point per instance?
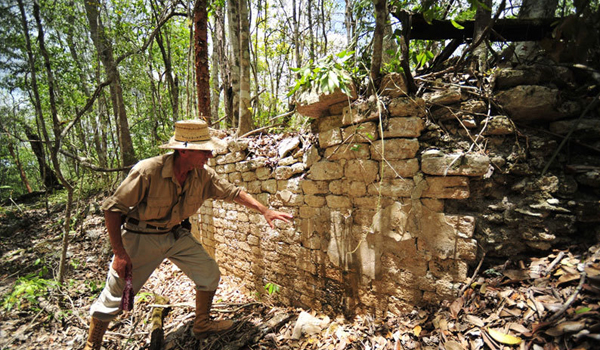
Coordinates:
(87, 89)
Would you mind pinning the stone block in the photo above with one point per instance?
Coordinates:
(235, 178)
(436, 162)
(314, 105)
(269, 186)
(336, 202)
(314, 201)
(325, 170)
(263, 173)
(361, 133)
(359, 114)
(533, 103)
(443, 97)
(466, 249)
(289, 198)
(400, 168)
(406, 107)
(338, 187)
(230, 158)
(357, 189)
(249, 176)
(330, 138)
(362, 170)
(366, 202)
(404, 127)
(392, 188)
(499, 125)
(329, 122)
(448, 187)
(393, 85)
(464, 224)
(286, 172)
(315, 187)
(395, 149)
(348, 151)
(309, 212)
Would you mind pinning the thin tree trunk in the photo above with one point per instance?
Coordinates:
(311, 33)
(381, 15)
(233, 12)
(201, 59)
(57, 143)
(245, 121)
(483, 17)
(105, 52)
(15, 157)
(218, 41)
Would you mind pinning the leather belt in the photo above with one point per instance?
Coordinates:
(145, 225)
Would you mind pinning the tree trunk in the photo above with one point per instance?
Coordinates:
(14, 155)
(350, 25)
(233, 12)
(218, 40)
(381, 15)
(105, 52)
(483, 17)
(245, 121)
(46, 173)
(172, 82)
(57, 142)
(201, 59)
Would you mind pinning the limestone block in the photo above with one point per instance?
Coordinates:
(449, 269)
(443, 97)
(309, 212)
(249, 176)
(253, 240)
(436, 162)
(448, 187)
(357, 189)
(399, 168)
(315, 187)
(404, 127)
(294, 185)
(392, 188)
(288, 145)
(509, 77)
(532, 103)
(433, 204)
(499, 125)
(366, 202)
(285, 172)
(251, 164)
(228, 168)
(290, 199)
(232, 157)
(393, 85)
(330, 138)
(361, 133)
(220, 169)
(467, 249)
(244, 246)
(325, 170)
(363, 218)
(392, 221)
(263, 173)
(329, 122)
(235, 178)
(464, 224)
(338, 108)
(238, 145)
(287, 161)
(368, 260)
(406, 107)
(395, 149)
(311, 156)
(337, 202)
(359, 114)
(338, 187)
(314, 105)
(254, 187)
(269, 186)
(348, 151)
(361, 170)
(314, 201)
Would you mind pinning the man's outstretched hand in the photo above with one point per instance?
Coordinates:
(271, 215)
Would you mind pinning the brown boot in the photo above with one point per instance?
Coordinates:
(203, 326)
(97, 330)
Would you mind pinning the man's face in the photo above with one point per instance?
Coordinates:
(196, 158)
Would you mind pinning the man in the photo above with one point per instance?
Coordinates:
(146, 219)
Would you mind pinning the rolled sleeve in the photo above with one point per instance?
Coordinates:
(219, 188)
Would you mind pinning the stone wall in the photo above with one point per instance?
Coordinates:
(369, 233)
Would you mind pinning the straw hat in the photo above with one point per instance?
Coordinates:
(193, 134)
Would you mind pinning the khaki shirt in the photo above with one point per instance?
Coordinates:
(151, 193)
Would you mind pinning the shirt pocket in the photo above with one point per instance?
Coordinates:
(157, 207)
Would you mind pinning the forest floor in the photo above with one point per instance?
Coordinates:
(547, 302)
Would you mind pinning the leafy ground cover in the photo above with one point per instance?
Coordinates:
(547, 302)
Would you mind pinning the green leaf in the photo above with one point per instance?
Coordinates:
(456, 25)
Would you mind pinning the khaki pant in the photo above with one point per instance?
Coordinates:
(147, 252)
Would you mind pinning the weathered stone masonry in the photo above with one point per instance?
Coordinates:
(369, 233)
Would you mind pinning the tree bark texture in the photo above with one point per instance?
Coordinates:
(201, 59)
(218, 56)
(245, 117)
(105, 53)
(381, 14)
(22, 174)
(233, 15)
